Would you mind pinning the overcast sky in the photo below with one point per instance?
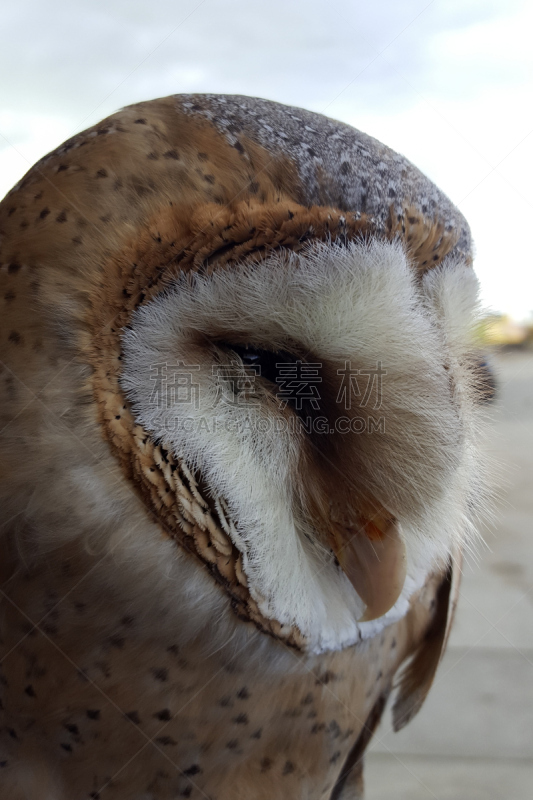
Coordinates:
(448, 83)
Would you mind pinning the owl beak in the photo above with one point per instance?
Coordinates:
(372, 555)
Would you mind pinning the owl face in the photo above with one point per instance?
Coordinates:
(326, 401)
(300, 417)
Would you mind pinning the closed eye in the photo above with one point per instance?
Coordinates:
(267, 363)
(282, 369)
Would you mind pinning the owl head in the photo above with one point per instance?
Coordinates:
(325, 400)
(273, 317)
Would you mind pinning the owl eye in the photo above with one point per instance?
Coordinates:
(268, 364)
(248, 355)
(286, 371)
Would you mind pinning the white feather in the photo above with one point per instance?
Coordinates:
(360, 304)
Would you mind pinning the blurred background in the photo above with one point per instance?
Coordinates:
(449, 84)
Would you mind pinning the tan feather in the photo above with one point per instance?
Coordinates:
(417, 676)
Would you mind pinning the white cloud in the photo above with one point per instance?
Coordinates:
(448, 83)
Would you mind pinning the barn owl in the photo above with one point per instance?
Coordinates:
(240, 453)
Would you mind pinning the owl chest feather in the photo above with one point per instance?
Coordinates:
(151, 717)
